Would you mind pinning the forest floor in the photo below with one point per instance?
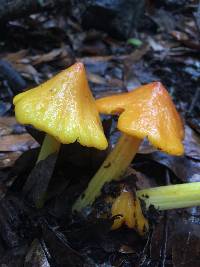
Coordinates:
(165, 47)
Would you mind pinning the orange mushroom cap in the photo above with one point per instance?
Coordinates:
(148, 111)
(64, 108)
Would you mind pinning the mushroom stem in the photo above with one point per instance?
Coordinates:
(112, 168)
(171, 196)
(49, 146)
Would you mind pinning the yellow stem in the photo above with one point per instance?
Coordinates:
(49, 146)
(171, 196)
(112, 168)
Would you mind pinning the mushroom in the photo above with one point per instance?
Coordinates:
(147, 111)
(128, 206)
(65, 109)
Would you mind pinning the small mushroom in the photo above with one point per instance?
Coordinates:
(65, 109)
(145, 112)
(128, 206)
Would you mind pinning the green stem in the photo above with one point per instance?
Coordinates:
(112, 168)
(49, 146)
(171, 196)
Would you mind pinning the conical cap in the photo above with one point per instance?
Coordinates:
(64, 108)
(148, 111)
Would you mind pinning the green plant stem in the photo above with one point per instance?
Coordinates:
(49, 146)
(171, 196)
(112, 168)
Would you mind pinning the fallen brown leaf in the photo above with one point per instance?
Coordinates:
(21, 142)
(47, 57)
(8, 159)
(8, 121)
(96, 78)
(17, 56)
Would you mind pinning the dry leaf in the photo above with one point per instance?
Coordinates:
(21, 142)
(8, 159)
(36, 60)
(17, 56)
(8, 121)
(95, 78)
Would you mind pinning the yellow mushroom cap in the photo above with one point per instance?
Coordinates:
(64, 108)
(148, 111)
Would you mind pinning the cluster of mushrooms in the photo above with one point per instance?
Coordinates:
(64, 108)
